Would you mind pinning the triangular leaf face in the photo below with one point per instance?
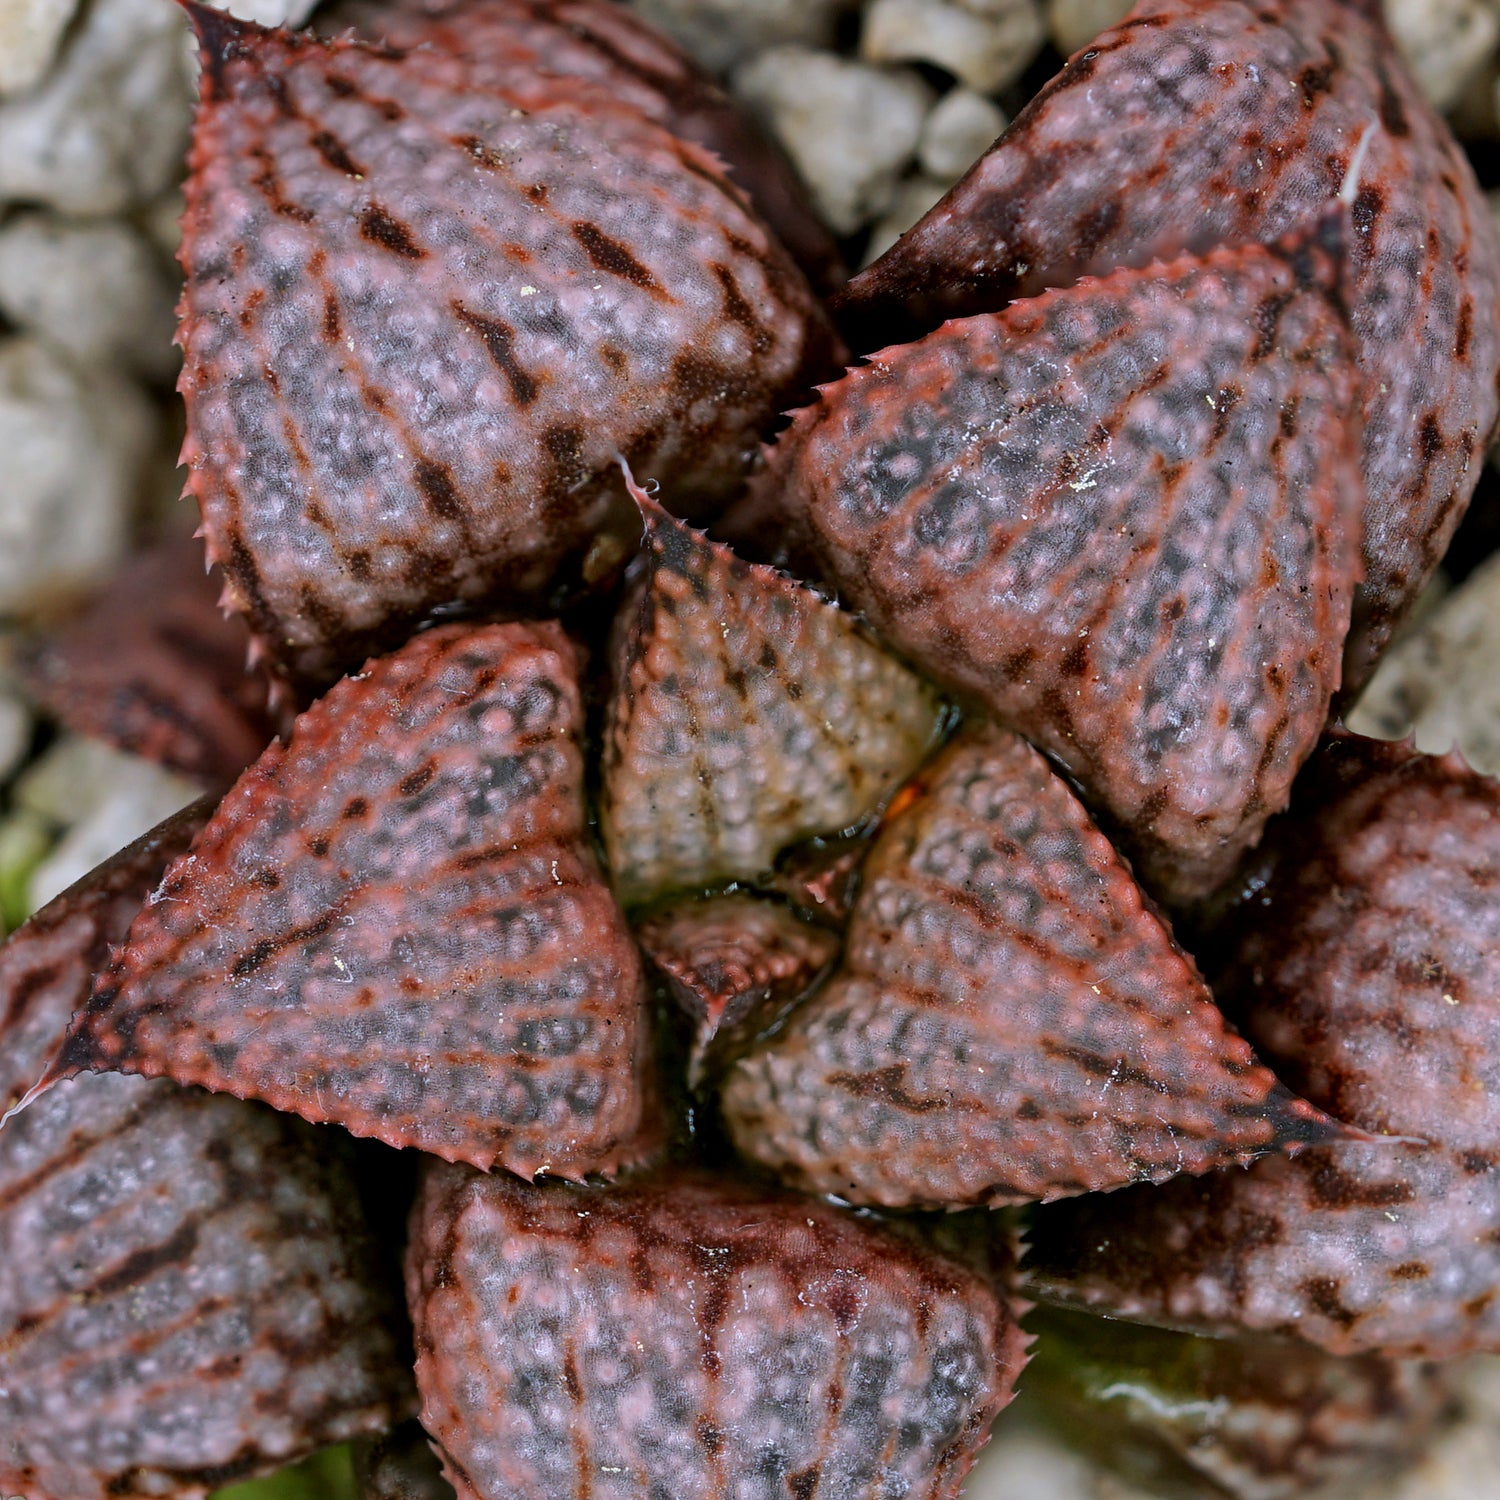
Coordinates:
(151, 665)
(1214, 122)
(420, 324)
(396, 923)
(1011, 1020)
(635, 63)
(733, 964)
(186, 1292)
(1126, 516)
(748, 713)
(1367, 967)
(702, 1329)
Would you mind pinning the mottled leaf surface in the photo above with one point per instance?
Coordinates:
(1368, 971)
(733, 964)
(639, 65)
(420, 323)
(748, 713)
(1011, 1020)
(396, 923)
(694, 1338)
(152, 665)
(187, 1294)
(1204, 122)
(1126, 516)
(1246, 1418)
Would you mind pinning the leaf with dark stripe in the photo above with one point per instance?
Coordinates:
(396, 923)
(1243, 1418)
(733, 964)
(1126, 516)
(407, 386)
(1367, 967)
(152, 665)
(187, 1295)
(1204, 122)
(613, 47)
(1011, 1020)
(694, 1337)
(748, 714)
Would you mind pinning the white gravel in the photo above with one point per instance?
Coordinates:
(851, 129)
(986, 44)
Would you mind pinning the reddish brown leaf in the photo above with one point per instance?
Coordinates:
(695, 1338)
(396, 923)
(748, 714)
(1205, 122)
(1011, 1020)
(420, 324)
(639, 65)
(1235, 1419)
(1123, 514)
(1368, 969)
(186, 1293)
(151, 665)
(733, 964)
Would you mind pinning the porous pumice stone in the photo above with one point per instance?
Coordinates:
(420, 326)
(1011, 1020)
(734, 964)
(1126, 516)
(396, 923)
(1366, 966)
(1203, 122)
(187, 1293)
(607, 44)
(748, 713)
(150, 664)
(694, 1337)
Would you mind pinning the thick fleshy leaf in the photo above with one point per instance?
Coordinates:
(734, 964)
(1244, 1418)
(400, 1466)
(186, 1292)
(639, 65)
(420, 325)
(1011, 1020)
(1126, 516)
(1204, 122)
(748, 713)
(1367, 968)
(695, 1338)
(151, 665)
(396, 923)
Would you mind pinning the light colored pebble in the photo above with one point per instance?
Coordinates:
(1073, 24)
(850, 129)
(95, 288)
(131, 797)
(162, 220)
(1445, 42)
(961, 128)
(15, 731)
(106, 130)
(1476, 115)
(268, 12)
(74, 443)
(913, 198)
(985, 46)
(1439, 680)
(724, 33)
(29, 33)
